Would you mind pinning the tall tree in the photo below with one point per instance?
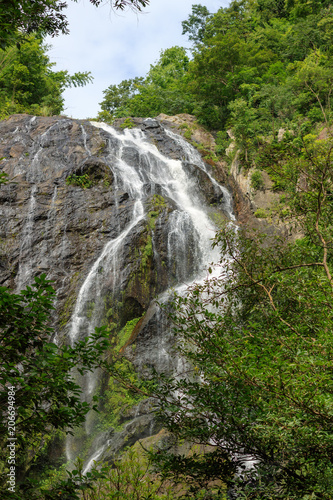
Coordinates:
(194, 26)
(258, 345)
(27, 82)
(163, 90)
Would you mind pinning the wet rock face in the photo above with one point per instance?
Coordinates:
(64, 202)
(46, 225)
(112, 220)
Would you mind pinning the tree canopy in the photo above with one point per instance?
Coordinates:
(257, 341)
(195, 25)
(254, 51)
(27, 82)
(163, 88)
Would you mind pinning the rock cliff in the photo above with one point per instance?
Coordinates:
(115, 217)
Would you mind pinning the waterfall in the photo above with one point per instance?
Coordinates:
(114, 247)
(170, 175)
(193, 156)
(25, 271)
(91, 287)
(138, 168)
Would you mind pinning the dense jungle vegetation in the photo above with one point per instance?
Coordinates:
(258, 339)
(255, 67)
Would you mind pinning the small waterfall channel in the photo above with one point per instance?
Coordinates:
(138, 168)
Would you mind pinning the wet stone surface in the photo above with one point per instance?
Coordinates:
(111, 219)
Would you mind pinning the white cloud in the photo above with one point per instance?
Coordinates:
(116, 46)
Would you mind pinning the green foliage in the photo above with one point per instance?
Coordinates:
(119, 399)
(277, 157)
(163, 90)
(170, 67)
(218, 219)
(210, 156)
(133, 475)
(258, 345)
(125, 390)
(82, 181)
(72, 485)
(19, 19)
(260, 213)
(201, 472)
(28, 84)
(46, 396)
(314, 76)
(106, 117)
(147, 252)
(244, 120)
(188, 134)
(128, 478)
(53, 477)
(126, 332)
(194, 26)
(156, 206)
(157, 203)
(121, 394)
(128, 123)
(257, 180)
(222, 142)
(3, 178)
(116, 97)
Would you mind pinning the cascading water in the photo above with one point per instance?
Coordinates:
(193, 156)
(139, 228)
(138, 168)
(25, 270)
(173, 182)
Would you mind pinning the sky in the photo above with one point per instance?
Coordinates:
(115, 46)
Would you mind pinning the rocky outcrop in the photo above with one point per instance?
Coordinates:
(51, 223)
(48, 225)
(114, 222)
(115, 218)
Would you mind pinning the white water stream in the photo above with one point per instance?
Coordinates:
(25, 270)
(136, 164)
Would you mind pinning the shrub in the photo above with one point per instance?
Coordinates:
(82, 181)
(261, 213)
(257, 180)
(128, 123)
